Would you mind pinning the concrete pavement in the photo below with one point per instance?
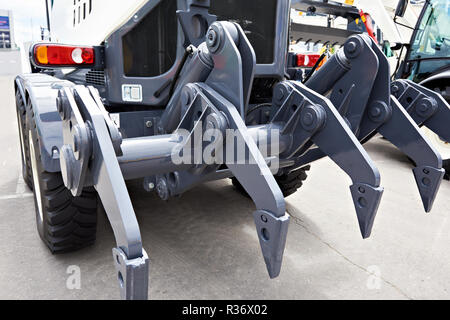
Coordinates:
(204, 245)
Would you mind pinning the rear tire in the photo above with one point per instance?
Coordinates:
(65, 223)
(23, 137)
(289, 183)
(446, 166)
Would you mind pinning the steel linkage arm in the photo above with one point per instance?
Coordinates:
(89, 157)
(425, 106)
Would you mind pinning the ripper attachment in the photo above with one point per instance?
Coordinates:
(212, 93)
(358, 81)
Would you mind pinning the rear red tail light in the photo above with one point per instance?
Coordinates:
(307, 60)
(367, 20)
(62, 55)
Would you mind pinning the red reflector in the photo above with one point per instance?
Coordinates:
(60, 55)
(300, 60)
(307, 60)
(313, 58)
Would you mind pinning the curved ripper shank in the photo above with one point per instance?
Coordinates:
(233, 83)
(385, 115)
(338, 142)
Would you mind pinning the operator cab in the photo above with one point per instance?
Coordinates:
(429, 52)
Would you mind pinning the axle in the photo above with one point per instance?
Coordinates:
(147, 156)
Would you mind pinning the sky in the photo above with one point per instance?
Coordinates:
(28, 16)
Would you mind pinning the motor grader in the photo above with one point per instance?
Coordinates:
(179, 92)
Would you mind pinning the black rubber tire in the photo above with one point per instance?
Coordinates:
(446, 166)
(23, 139)
(65, 223)
(289, 183)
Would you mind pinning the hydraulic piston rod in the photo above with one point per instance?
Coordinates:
(323, 80)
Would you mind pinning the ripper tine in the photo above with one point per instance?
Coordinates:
(337, 141)
(270, 218)
(429, 172)
(385, 115)
(366, 199)
(394, 123)
(250, 169)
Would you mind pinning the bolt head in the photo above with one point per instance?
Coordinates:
(76, 143)
(279, 94)
(308, 119)
(149, 124)
(59, 105)
(375, 112)
(210, 125)
(185, 98)
(62, 109)
(67, 160)
(423, 107)
(55, 152)
(351, 47)
(426, 181)
(211, 37)
(162, 189)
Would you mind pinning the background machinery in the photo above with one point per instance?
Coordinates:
(411, 35)
(426, 61)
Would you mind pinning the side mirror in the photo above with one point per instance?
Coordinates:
(396, 46)
(401, 8)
